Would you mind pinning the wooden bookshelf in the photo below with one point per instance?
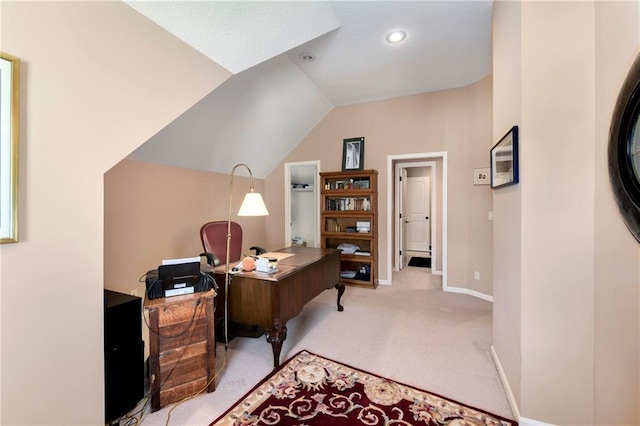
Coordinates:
(350, 219)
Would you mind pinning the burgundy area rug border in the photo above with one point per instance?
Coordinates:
(302, 380)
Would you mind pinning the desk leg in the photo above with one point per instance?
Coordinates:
(276, 336)
(340, 288)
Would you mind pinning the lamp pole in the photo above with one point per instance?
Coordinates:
(252, 205)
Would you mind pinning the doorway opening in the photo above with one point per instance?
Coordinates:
(415, 227)
(432, 239)
(301, 203)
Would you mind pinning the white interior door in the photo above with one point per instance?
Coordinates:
(437, 173)
(403, 221)
(418, 209)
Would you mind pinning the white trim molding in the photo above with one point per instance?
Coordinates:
(316, 200)
(473, 293)
(505, 384)
(531, 422)
(522, 421)
(424, 156)
(434, 211)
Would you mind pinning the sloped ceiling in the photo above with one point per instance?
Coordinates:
(275, 98)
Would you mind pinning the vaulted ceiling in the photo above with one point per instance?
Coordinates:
(292, 62)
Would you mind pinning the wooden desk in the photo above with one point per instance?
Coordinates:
(181, 346)
(270, 300)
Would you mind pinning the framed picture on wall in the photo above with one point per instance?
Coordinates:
(9, 124)
(504, 160)
(353, 154)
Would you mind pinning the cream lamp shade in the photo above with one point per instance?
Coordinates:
(253, 205)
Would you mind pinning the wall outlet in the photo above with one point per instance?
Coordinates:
(490, 215)
(134, 292)
(476, 275)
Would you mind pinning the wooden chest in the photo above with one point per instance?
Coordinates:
(181, 346)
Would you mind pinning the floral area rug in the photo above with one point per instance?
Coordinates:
(311, 390)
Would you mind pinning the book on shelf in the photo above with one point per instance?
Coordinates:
(348, 183)
(362, 253)
(348, 204)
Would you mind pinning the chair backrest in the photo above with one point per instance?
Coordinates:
(214, 240)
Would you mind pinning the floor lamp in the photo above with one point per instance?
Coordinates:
(252, 205)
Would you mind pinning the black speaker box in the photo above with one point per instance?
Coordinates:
(123, 354)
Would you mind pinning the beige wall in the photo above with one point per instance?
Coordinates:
(579, 310)
(456, 121)
(558, 107)
(479, 200)
(507, 210)
(616, 266)
(97, 80)
(154, 212)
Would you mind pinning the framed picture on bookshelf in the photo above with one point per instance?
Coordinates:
(363, 226)
(353, 154)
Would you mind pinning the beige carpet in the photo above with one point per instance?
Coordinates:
(411, 332)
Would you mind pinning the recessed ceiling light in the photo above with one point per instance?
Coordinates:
(396, 36)
(307, 57)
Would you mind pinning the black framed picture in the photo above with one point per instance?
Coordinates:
(624, 150)
(353, 154)
(504, 160)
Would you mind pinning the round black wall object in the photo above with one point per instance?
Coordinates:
(624, 150)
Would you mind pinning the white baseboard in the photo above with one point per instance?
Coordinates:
(531, 422)
(469, 292)
(505, 384)
(522, 421)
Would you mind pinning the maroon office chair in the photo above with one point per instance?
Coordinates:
(214, 242)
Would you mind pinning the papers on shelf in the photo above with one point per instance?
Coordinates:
(348, 248)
